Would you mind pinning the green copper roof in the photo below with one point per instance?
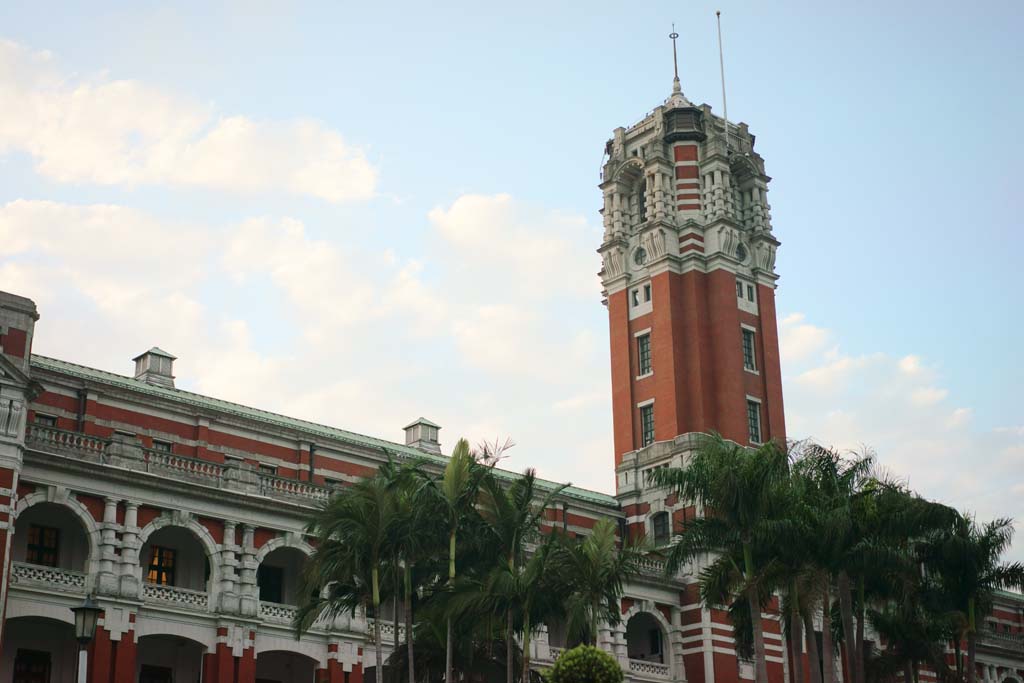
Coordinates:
(312, 428)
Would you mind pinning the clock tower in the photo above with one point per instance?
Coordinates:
(689, 282)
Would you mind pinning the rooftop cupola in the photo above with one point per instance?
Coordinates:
(422, 434)
(155, 366)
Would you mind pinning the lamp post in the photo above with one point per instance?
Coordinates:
(86, 616)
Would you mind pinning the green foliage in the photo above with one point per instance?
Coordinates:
(585, 664)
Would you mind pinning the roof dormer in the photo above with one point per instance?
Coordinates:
(155, 366)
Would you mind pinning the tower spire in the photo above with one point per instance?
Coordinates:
(676, 88)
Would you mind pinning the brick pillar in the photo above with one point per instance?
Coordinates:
(687, 177)
(124, 661)
(247, 662)
(209, 667)
(100, 653)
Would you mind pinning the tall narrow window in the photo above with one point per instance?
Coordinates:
(161, 566)
(754, 420)
(739, 289)
(647, 424)
(635, 296)
(660, 524)
(641, 201)
(643, 352)
(748, 350)
(647, 292)
(750, 293)
(271, 583)
(43, 547)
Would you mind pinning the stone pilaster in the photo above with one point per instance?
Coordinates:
(247, 588)
(230, 602)
(130, 546)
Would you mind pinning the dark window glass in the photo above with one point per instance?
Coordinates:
(647, 292)
(162, 446)
(161, 566)
(754, 421)
(642, 201)
(268, 469)
(750, 292)
(45, 420)
(660, 523)
(643, 348)
(655, 636)
(31, 666)
(636, 297)
(739, 289)
(748, 349)
(43, 546)
(271, 582)
(647, 424)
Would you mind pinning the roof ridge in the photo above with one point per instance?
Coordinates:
(294, 422)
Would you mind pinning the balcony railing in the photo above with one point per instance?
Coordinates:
(49, 578)
(277, 613)
(387, 630)
(184, 598)
(647, 669)
(120, 453)
(1009, 641)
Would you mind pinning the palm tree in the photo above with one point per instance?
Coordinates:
(967, 560)
(513, 517)
(352, 531)
(742, 490)
(457, 491)
(596, 570)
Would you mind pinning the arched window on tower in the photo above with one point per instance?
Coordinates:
(661, 528)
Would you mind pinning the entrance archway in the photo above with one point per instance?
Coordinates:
(38, 650)
(279, 666)
(645, 639)
(168, 659)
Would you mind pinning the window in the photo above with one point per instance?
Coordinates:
(655, 640)
(162, 446)
(161, 566)
(754, 420)
(750, 293)
(268, 469)
(124, 435)
(647, 292)
(635, 294)
(643, 351)
(641, 200)
(739, 289)
(271, 583)
(45, 420)
(43, 546)
(660, 524)
(647, 424)
(31, 665)
(748, 350)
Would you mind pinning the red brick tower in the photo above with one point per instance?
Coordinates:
(689, 282)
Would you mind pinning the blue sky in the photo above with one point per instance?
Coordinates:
(361, 213)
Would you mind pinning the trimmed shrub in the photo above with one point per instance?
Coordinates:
(585, 664)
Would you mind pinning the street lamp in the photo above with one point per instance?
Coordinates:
(86, 616)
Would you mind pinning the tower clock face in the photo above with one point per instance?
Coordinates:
(741, 252)
(640, 256)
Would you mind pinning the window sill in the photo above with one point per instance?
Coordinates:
(752, 372)
(645, 375)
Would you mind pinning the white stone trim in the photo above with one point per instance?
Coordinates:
(640, 333)
(644, 404)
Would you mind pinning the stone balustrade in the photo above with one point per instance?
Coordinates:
(178, 597)
(647, 669)
(48, 578)
(1010, 641)
(277, 613)
(122, 453)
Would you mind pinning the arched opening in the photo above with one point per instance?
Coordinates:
(38, 649)
(560, 636)
(645, 640)
(279, 574)
(278, 666)
(51, 535)
(173, 556)
(168, 659)
(660, 529)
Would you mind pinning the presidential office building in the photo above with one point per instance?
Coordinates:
(183, 514)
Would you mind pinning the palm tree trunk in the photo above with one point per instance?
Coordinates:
(795, 646)
(861, 655)
(408, 623)
(449, 672)
(379, 673)
(958, 658)
(826, 635)
(972, 672)
(509, 659)
(849, 639)
(594, 609)
(908, 672)
(754, 601)
(396, 674)
(813, 655)
(526, 647)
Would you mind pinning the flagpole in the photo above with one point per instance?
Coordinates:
(721, 66)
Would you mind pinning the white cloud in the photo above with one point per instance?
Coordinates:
(895, 406)
(799, 339)
(123, 132)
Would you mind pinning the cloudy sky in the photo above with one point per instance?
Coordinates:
(361, 213)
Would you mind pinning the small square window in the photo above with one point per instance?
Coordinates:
(750, 292)
(162, 446)
(643, 350)
(45, 420)
(267, 469)
(647, 292)
(647, 424)
(754, 421)
(43, 546)
(161, 566)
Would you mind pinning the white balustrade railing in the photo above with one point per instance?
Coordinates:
(649, 669)
(1013, 641)
(50, 578)
(387, 630)
(276, 612)
(556, 652)
(158, 460)
(61, 440)
(178, 597)
(271, 485)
